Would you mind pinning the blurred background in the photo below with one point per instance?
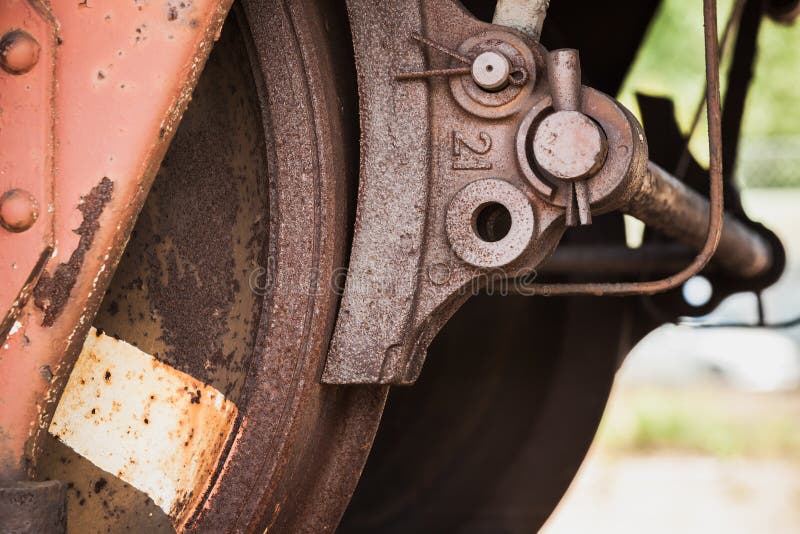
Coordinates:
(702, 431)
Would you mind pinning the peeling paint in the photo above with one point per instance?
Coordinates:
(15, 328)
(52, 292)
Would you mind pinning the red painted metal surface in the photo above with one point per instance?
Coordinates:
(124, 73)
(26, 148)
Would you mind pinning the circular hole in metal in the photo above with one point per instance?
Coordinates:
(697, 291)
(492, 222)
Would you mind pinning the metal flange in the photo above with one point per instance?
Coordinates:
(476, 209)
(626, 151)
(438, 169)
(447, 155)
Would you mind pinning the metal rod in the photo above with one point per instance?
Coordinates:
(733, 20)
(564, 75)
(526, 16)
(663, 202)
(611, 260)
(715, 211)
(441, 48)
(739, 83)
(424, 74)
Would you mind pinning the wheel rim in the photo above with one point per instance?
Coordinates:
(228, 278)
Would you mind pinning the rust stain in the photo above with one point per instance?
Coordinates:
(154, 427)
(52, 292)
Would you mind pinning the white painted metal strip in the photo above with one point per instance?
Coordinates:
(155, 427)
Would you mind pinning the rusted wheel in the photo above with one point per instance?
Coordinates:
(491, 435)
(227, 279)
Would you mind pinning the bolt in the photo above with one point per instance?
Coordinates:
(19, 52)
(490, 71)
(18, 210)
(569, 145)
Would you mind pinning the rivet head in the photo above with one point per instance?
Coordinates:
(569, 145)
(18, 210)
(490, 70)
(19, 52)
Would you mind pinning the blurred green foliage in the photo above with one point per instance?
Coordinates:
(671, 63)
(720, 423)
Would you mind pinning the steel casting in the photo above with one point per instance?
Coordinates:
(438, 152)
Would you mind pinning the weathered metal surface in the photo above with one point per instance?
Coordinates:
(491, 70)
(299, 446)
(54, 287)
(27, 85)
(19, 52)
(414, 161)
(393, 185)
(663, 202)
(317, 437)
(505, 456)
(182, 291)
(578, 153)
(18, 210)
(144, 422)
(525, 67)
(669, 149)
(247, 303)
(187, 288)
(716, 210)
(423, 283)
(124, 75)
(474, 239)
(626, 152)
(33, 508)
(526, 16)
(569, 146)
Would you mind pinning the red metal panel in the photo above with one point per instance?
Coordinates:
(124, 75)
(26, 148)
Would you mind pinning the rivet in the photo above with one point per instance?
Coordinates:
(18, 210)
(19, 52)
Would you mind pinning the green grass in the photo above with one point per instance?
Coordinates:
(716, 423)
(671, 63)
